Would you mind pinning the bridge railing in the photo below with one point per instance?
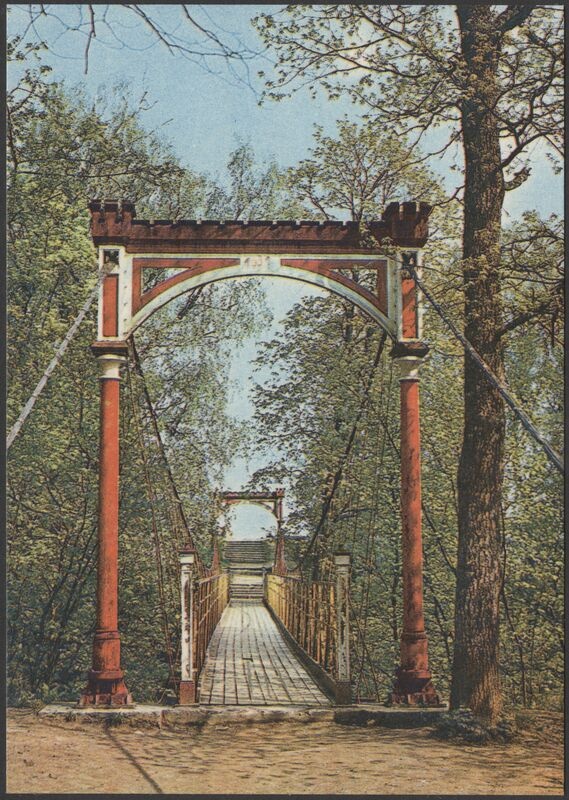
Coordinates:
(203, 602)
(307, 611)
(211, 595)
(316, 616)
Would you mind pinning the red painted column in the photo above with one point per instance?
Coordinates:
(105, 680)
(413, 684)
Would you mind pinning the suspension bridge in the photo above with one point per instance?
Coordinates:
(248, 661)
(257, 628)
(253, 631)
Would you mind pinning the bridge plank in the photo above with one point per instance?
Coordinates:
(249, 663)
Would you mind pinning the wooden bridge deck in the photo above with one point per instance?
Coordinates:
(249, 663)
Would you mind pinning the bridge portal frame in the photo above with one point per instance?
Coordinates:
(188, 254)
(273, 502)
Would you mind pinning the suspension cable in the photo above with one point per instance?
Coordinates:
(155, 534)
(171, 567)
(202, 569)
(158, 436)
(345, 454)
(363, 610)
(492, 378)
(55, 361)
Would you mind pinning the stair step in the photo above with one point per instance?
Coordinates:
(244, 585)
(247, 545)
(247, 561)
(244, 547)
(249, 554)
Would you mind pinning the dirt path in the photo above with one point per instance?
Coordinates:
(281, 758)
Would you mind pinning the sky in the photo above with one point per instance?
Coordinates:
(204, 108)
(202, 114)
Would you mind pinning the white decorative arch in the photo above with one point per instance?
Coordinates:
(265, 266)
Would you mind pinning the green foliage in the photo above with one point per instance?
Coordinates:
(462, 726)
(251, 191)
(63, 151)
(405, 66)
(307, 410)
(314, 401)
(359, 171)
(329, 407)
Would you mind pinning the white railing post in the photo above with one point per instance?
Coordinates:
(342, 562)
(187, 692)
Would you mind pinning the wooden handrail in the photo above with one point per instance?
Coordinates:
(211, 596)
(308, 612)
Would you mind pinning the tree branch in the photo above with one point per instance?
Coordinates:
(526, 316)
(513, 16)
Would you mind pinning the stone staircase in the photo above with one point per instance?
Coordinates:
(247, 560)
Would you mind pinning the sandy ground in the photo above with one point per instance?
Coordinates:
(279, 758)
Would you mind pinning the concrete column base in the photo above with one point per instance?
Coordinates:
(413, 687)
(343, 693)
(187, 693)
(105, 688)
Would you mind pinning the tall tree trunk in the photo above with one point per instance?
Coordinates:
(475, 676)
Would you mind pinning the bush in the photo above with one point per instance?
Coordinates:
(464, 727)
